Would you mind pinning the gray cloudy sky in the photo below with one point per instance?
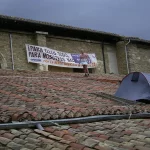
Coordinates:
(125, 17)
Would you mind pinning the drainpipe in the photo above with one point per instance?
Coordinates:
(127, 56)
(11, 50)
(39, 124)
(103, 57)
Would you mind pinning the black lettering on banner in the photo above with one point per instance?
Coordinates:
(45, 50)
(39, 55)
(34, 54)
(70, 60)
(41, 50)
(50, 52)
(36, 49)
(31, 48)
(47, 56)
(30, 54)
(62, 54)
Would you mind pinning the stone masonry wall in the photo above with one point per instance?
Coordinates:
(121, 57)
(19, 50)
(41, 41)
(5, 49)
(73, 45)
(76, 47)
(20, 55)
(139, 58)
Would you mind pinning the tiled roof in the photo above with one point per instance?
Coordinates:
(57, 25)
(54, 96)
(31, 96)
(105, 135)
(121, 37)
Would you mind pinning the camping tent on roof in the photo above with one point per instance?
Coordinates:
(135, 86)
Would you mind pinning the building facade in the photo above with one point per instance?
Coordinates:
(115, 54)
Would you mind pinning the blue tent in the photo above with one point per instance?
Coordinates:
(135, 86)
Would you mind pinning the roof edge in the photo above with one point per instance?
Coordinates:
(135, 39)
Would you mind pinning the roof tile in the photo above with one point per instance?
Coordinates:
(112, 143)
(86, 148)
(14, 146)
(59, 133)
(30, 146)
(32, 140)
(42, 132)
(26, 131)
(45, 140)
(15, 132)
(24, 149)
(19, 141)
(33, 135)
(4, 140)
(147, 140)
(127, 145)
(102, 148)
(8, 135)
(69, 137)
(54, 137)
(77, 146)
(115, 134)
(90, 142)
(23, 136)
(61, 146)
(141, 148)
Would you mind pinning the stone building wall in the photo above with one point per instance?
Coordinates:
(75, 46)
(5, 50)
(19, 50)
(121, 57)
(20, 57)
(115, 60)
(139, 58)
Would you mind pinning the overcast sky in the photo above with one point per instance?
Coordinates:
(124, 17)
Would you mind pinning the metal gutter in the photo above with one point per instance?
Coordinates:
(11, 50)
(103, 54)
(29, 124)
(127, 57)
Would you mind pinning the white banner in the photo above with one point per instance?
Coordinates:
(47, 56)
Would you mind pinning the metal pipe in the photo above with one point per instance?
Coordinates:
(103, 54)
(29, 124)
(127, 56)
(39, 126)
(11, 49)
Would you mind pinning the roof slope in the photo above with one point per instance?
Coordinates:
(56, 25)
(35, 96)
(105, 135)
(30, 95)
(29, 24)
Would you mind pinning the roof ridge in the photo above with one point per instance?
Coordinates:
(59, 25)
(122, 37)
